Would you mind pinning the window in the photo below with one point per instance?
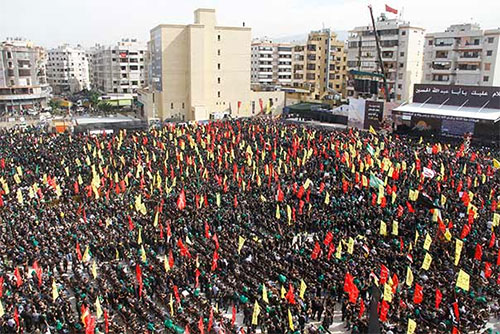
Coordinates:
(182, 105)
(486, 78)
(171, 105)
(491, 39)
(218, 52)
(403, 33)
(218, 66)
(401, 54)
(218, 38)
(400, 86)
(218, 94)
(489, 53)
(401, 65)
(487, 66)
(218, 81)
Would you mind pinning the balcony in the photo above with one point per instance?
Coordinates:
(469, 59)
(469, 46)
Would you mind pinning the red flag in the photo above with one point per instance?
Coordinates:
(456, 312)
(200, 325)
(487, 269)
(361, 307)
(78, 252)
(186, 330)
(181, 201)
(465, 231)
(216, 240)
(214, 260)
(176, 294)
(455, 330)
(38, 271)
(328, 238)
(300, 193)
(383, 311)
(161, 231)
(235, 201)
(197, 276)
(498, 258)
(395, 282)
(106, 322)
(410, 207)
(170, 259)
(290, 295)
(353, 293)
(16, 318)
(280, 195)
(1, 286)
(210, 320)
(207, 231)
(316, 251)
(479, 252)
(233, 317)
(439, 297)
(384, 274)
(19, 280)
(492, 240)
(331, 249)
(418, 294)
(169, 231)
(138, 275)
(184, 251)
(130, 224)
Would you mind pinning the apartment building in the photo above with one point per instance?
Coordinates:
(203, 69)
(68, 69)
(23, 82)
(463, 54)
(402, 49)
(271, 63)
(119, 69)
(321, 66)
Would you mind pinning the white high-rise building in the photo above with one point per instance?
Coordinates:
(23, 82)
(271, 63)
(68, 69)
(402, 49)
(463, 54)
(120, 68)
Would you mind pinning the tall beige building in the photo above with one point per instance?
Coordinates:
(203, 69)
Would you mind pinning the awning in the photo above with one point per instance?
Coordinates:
(450, 111)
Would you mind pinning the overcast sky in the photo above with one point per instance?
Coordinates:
(53, 22)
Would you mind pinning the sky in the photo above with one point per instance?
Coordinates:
(53, 22)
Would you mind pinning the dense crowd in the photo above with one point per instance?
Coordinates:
(239, 226)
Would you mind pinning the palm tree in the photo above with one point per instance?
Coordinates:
(105, 107)
(54, 105)
(93, 99)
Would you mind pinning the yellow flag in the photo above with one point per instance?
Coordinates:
(338, 253)
(278, 214)
(409, 277)
(289, 214)
(139, 238)
(171, 303)
(117, 255)
(155, 223)
(283, 292)
(143, 254)
(458, 249)
(394, 227)
(417, 235)
(412, 325)
(94, 270)
(86, 256)
(496, 219)
(427, 261)
(55, 293)
(290, 320)
(496, 163)
(165, 263)
(255, 315)
(98, 309)
(303, 288)
(394, 195)
(372, 130)
(218, 200)
(241, 241)
(428, 241)
(443, 200)
(387, 292)
(264, 294)
(327, 198)
(463, 280)
(383, 228)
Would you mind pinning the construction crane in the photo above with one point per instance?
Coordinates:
(379, 54)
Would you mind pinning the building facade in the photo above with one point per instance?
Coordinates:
(402, 48)
(321, 66)
(203, 69)
(463, 54)
(68, 69)
(23, 81)
(271, 63)
(119, 69)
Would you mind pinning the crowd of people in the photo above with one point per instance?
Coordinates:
(246, 226)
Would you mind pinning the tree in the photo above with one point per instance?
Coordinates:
(54, 105)
(93, 99)
(105, 107)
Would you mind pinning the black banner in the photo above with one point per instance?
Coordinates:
(467, 96)
(374, 112)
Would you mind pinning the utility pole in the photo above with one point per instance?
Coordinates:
(379, 53)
